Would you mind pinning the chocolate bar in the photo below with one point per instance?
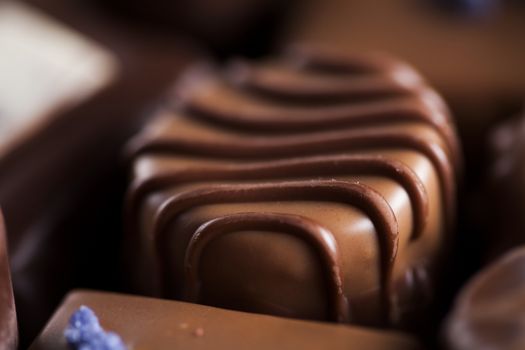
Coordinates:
(8, 326)
(145, 323)
(313, 185)
(489, 311)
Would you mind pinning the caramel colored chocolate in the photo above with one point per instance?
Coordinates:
(145, 323)
(314, 185)
(8, 327)
(489, 311)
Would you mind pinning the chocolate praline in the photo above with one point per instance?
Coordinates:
(313, 185)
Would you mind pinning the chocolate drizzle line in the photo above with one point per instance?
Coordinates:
(355, 194)
(303, 228)
(296, 167)
(285, 83)
(388, 111)
(347, 140)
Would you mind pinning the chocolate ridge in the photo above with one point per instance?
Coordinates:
(301, 227)
(347, 140)
(409, 109)
(388, 87)
(313, 166)
(317, 57)
(265, 81)
(355, 194)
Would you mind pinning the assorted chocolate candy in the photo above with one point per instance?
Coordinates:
(304, 200)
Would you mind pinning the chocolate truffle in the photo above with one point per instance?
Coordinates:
(313, 185)
(8, 328)
(504, 191)
(489, 311)
(145, 323)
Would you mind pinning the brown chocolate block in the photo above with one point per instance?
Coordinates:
(489, 311)
(8, 327)
(75, 83)
(313, 185)
(145, 323)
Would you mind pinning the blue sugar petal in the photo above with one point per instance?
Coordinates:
(85, 333)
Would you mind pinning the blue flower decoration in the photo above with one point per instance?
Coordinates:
(85, 333)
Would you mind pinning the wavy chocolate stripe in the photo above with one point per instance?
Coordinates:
(284, 83)
(319, 58)
(358, 195)
(294, 146)
(367, 165)
(252, 117)
(318, 237)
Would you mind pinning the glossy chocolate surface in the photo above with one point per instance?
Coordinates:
(8, 326)
(489, 311)
(313, 185)
(145, 323)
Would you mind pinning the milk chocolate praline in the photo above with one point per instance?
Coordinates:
(313, 185)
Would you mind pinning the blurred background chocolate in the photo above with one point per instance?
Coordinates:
(8, 326)
(502, 216)
(489, 310)
(226, 26)
(75, 84)
(146, 323)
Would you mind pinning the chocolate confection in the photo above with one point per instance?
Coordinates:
(145, 323)
(489, 311)
(314, 185)
(8, 328)
(76, 85)
(504, 189)
(471, 52)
